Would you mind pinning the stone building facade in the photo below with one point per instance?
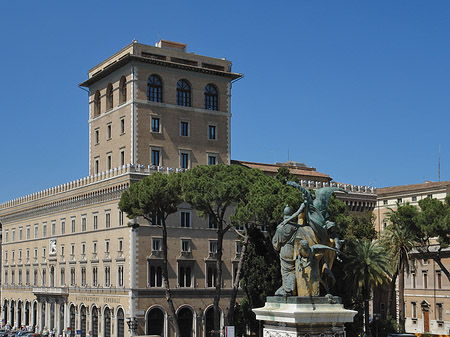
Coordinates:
(427, 289)
(70, 261)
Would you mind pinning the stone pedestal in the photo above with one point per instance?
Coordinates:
(304, 316)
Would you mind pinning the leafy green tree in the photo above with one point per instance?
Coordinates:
(262, 208)
(212, 191)
(367, 267)
(433, 222)
(399, 238)
(154, 198)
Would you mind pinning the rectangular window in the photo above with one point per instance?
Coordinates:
(72, 249)
(413, 280)
(96, 165)
(83, 276)
(72, 220)
(414, 198)
(185, 219)
(97, 136)
(94, 247)
(83, 223)
(385, 202)
(414, 310)
(184, 160)
(62, 279)
(107, 276)
(184, 275)
(44, 229)
(109, 131)
(122, 125)
(94, 276)
(120, 245)
(107, 219)
(185, 245)
(106, 246)
(62, 251)
(28, 233)
(156, 153)
(35, 277)
(122, 157)
(211, 274)
(20, 234)
(83, 248)
(120, 218)
(212, 159)
(439, 312)
(156, 244)
(439, 280)
(184, 129)
(212, 132)
(72, 277)
(399, 200)
(109, 161)
(211, 223)
(63, 226)
(53, 230)
(36, 231)
(6, 236)
(120, 276)
(95, 220)
(425, 280)
(156, 127)
(13, 235)
(213, 246)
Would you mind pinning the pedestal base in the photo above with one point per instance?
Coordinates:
(304, 316)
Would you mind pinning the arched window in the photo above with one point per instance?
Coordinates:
(185, 320)
(94, 322)
(211, 97)
(109, 96)
(183, 93)
(97, 104)
(107, 323)
(123, 90)
(154, 89)
(120, 323)
(83, 321)
(155, 322)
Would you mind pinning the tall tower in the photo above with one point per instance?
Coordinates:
(159, 106)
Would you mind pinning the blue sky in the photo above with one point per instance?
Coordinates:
(358, 89)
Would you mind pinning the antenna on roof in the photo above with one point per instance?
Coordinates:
(439, 164)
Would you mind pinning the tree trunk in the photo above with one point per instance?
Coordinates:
(390, 301)
(401, 295)
(366, 295)
(219, 278)
(234, 291)
(166, 280)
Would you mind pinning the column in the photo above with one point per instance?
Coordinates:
(47, 314)
(38, 316)
(65, 318)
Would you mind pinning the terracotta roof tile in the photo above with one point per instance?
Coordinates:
(412, 188)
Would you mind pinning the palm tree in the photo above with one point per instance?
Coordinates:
(399, 238)
(368, 267)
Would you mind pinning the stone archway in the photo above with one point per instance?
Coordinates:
(185, 321)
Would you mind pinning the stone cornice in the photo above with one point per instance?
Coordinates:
(130, 58)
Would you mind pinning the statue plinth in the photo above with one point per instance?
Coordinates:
(297, 316)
